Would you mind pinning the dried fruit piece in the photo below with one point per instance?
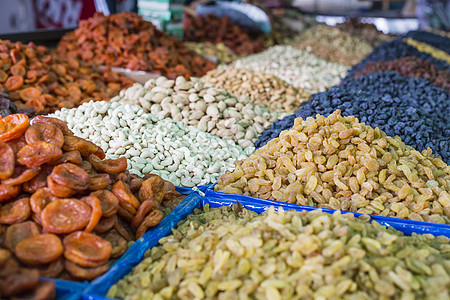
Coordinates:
(53, 269)
(30, 94)
(13, 126)
(108, 202)
(19, 282)
(70, 157)
(170, 191)
(40, 249)
(15, 212)
(96, 213)
(4, 256)
(40, 199)
(99, 181)
(44, 290)
(152, 189)
(85, 273)
(125, 196)
(54, 121)
(74, 143)
(105, 224)
(25, 176)
(142, 212)
(36, 154)
(18, 70)
(44, 132)
(111, 166)
(65, 216)
(58, 189)
(123, 229)
(86, 249)
(71, 176)
(8, 192)
(18, 232)
(118, 243)
(7, 161)
(151, 220)
(14, 83)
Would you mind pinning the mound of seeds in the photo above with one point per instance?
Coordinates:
(221, 254)
(204, 106)
(222, 53)
(412, 67)
(184, 155)
(261, 88)
(334, 45)
(296, 67)
(336, 162)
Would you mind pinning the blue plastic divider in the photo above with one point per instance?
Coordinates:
(71, 290)
(100, 286)
(259, 205)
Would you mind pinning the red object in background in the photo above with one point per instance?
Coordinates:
(62, 13)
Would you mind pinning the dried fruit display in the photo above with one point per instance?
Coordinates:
(7, 107)
(211, 28)
(412, 67)
(125, 40)
(18, 282)
(364, 31)
(336, 162)
(233, 253)
(34, 78)
(64, 207)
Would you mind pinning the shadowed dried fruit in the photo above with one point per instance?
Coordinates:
(40, 249)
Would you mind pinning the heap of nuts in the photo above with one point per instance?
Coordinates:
(261, 88)
(219, 52)
(334, 45)
(18, 282)
(126, 40)
(336, 162)
(63, 207)
(211, 28)
(234, 253)
(35, 78)
(204, 106)
(412, 67)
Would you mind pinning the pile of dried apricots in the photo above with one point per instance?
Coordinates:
(33, 77)
(65, 210)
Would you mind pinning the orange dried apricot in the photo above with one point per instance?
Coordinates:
(54, 121)
(40, 249)
(37, 182)
(99, 181)
(72, 143)
(8, 192)
(105, 224)
(13, 126)
(52, 269)
(65, 216)
(125, 196)
(40, 199)
(18, 70)
(96, 213)
(44, 132)
(27, 175)
(70, 156)
(18, 232)
(18, 282)
(38, 153)
(7, 160)
(151, 220)
(29, 94)
(86, 249)
(14, 83)
(144, 209)
(71, 176)
(108, 202)
(85, 273)
(152, 189)
(58, 189)
(15, 211)
(111, 166)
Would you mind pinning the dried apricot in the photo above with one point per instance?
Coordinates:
(17, 144)
(170, 191)
(37, 182)
(13, 126)
(18, 70)
(15, 211)
(44, 132)
(152, 219)
(72, 143)
(125, 213)
(40, 199)
(152, 189)
(70, 156)
(4, 256)
(99, 181)
(44, 290)
(11, 266)
(57, 122)
(29, 94)
(65, 216)
(105, 224)
(118, 243)
(7, 160)
(85, 165)
(25, 176)
(71, 176)
(52, 269)
(8, 192)
(125, 196)
(100, 153)
(123, 229)
(18, 232)
(40, 249)
(135, 183)
(38, 153)
(96, 214)
(142, 212)
(111, 166)
(108, 202)
(85, 273)
(14, 83)
(86, 249)
(16, 283)
(58, 189)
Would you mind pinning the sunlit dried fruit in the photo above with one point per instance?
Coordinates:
(38, 153)
(65, 216)
(40, 249)
(86, 249)
(15, 211)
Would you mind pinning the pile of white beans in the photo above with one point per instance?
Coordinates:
(184, 155)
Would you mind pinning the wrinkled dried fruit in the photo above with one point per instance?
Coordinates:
(96, 213)
(46, 133)
(105, 224)
(58, 189)
(53, 269)
(108, 201)
(40, 199)
(68, 157)
(99, 181)
(15, 212)
(74, 143)
(40, 249)
(143, 211)
(152, 189)
(71, 176)
(65, 216)
(19, 282)
(110, 166)
(13, 126)
(37, 182)
(86, 249)
(8, 192)
(53, 121)
(25, 176)
(125, 196)
(151, 220)
(7, 161)
(118, 243)
(85, 273)
(36, 154)
(18, 232)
